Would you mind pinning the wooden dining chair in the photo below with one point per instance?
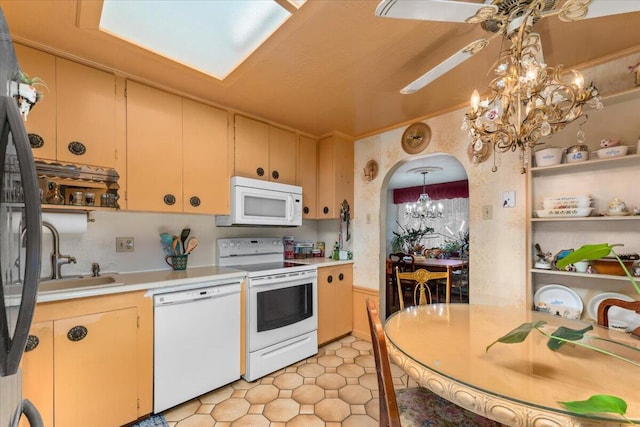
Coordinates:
(420, 278)
(606, 304)
(414, 406)
(404, 263)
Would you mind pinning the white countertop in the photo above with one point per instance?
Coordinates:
(161, 280)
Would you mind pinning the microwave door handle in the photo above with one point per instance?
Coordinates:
(291, 204)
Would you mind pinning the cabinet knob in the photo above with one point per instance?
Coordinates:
(169, 199)
(325, 210)
(77, 148)
(341, 277)
(194, 201)
(77, 333)
(275, 175)
(35, 140)
(260, 172)
(305, 209)
(330, 279)
(32, 343)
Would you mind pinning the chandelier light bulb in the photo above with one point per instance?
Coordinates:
(475, 101)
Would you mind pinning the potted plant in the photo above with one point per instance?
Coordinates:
(600, 403)
(26, 91)
(408, 239)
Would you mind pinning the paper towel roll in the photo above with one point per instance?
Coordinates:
(67, 222)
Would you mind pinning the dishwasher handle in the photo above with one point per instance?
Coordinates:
(182, 297)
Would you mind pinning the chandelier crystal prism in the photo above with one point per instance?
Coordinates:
(423, 208)
(528, 100)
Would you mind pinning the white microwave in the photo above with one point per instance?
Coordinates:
(255, 203)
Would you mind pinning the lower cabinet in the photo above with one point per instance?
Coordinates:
(92, 362)
(335, 306)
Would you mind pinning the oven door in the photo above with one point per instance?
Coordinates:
(281, 307)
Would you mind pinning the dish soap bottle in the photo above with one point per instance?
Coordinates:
(336, 251)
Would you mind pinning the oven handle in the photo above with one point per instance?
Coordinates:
(281, 279)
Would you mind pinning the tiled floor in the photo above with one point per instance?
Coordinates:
(337, 387)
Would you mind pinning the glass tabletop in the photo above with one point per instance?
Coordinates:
(451, 340)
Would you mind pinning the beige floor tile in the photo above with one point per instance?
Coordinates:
(358, 410)
(366, 361)
(331, 381)
(311, 370)
(285, 394)
(331, 394)
(197, 420)
(350, 370)
(239, 393)
(369, 381)
(217, 396)
(306, 421)
(205, 409)
(355, 394)
(288, 381)
(230, 409)
(359, 421)
(308, 394)
(251, 421)
(183, 411)
(330, 361)
(362, 345)
(332, 410)
(255, 409)
(347, 353)
(281, 410)
(242, 384)
(262, 393)
(307, 409)
(352, 380)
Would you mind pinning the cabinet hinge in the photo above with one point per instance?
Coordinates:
(138, 322)
(138, 403)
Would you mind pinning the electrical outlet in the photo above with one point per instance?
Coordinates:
(487, 212)
(124, 244)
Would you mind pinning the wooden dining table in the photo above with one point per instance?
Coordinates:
(444, 348)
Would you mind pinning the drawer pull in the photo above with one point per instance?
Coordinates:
(305, 210)
(194, 201)
(260, 172)
(77, 333)
(275, 175)
(77, 148)
(341, 277)
(169, 199)
(36, 140)
(329, 279)
(325, 210)
(32, 343)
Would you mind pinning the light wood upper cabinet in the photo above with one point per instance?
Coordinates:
(205, 161)
(335, 175)
(96, 375)
(264, 152)
(75, 121)
(335, 304)
(306, 176)
(37, 371)
(86, 125)
(154, 149)
(41, 122)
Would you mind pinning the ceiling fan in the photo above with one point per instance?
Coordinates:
(497, 17)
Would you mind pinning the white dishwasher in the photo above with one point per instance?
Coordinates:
(196, 341)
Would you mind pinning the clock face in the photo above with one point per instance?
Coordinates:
(416, 138)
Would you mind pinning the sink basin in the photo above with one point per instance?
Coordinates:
(77, 283)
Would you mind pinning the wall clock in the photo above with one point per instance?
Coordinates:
(416, 137)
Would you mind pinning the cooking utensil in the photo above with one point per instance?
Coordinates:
(191, 245)
(167, 242)
(183, 236)
(176, 246)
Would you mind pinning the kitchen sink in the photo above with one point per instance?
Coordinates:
(77, 283)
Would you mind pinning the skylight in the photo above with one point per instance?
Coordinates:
(213, 36)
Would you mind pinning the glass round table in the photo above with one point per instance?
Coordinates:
(443, 347)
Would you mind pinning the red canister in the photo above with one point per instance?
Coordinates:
(288, 246)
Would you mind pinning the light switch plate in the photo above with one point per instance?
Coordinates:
(509, 199)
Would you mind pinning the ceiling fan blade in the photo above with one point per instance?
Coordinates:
(433, 10)
(448, 64)
(574, 10)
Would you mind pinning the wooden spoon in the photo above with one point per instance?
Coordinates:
(191, 245)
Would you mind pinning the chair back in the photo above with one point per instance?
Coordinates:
(389, 415)
(421, 277)
(606, 304)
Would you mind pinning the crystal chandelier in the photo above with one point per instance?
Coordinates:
(423, 208)
(528, 99)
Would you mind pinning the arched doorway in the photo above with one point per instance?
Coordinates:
(444, 179)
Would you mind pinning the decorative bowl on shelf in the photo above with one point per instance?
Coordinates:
(615, 151)
(610, 266)
(548, 156)
(558, 213)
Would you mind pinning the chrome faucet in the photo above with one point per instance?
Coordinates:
(57, 260)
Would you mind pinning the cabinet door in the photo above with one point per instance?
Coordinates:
(344, 300)
(326, 306)
(306, 175)
(335, 175)
(205, 160)
(251, 150)
(154, 149)
(86, 131)
(344, 157)
(42, 118)
(96, 374)
(282, 155)
(37, 371)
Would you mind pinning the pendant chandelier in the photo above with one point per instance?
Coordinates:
(424, 208)
(528, 99)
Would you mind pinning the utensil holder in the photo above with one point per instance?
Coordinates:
(178, 262)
